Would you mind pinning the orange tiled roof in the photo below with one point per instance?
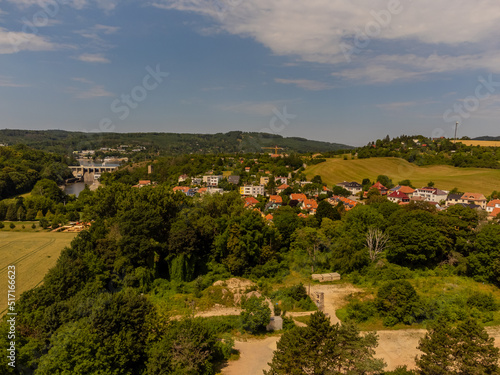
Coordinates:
(181, 188)
(250, 201)
(283, 187)
(495, 212)
(406, 190)
(474, 196)
(144, 182)
(269, 217)
(276, 199)
(311, 203)
(298, 196)
(493, 203)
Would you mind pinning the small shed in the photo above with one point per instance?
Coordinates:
(326, 276)
(275, 324)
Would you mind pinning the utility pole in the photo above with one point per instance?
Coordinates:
(456, 126)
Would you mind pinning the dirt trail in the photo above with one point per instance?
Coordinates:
(254, 356)
(396, 348)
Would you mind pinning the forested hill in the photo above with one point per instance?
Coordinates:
(487, 138)
(169, 143)
(21, 167)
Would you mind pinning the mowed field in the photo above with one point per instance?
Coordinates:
(479, 143)
(475, 180)
(33, 254)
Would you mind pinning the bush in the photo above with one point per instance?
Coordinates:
(256, 315)
(398, 301)
(12, 225)
(2, 225)
(482, 301)
(361, 311)
(33, 226)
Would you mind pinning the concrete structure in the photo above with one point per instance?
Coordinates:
(80, 170)
(275, 324)
(321, 277)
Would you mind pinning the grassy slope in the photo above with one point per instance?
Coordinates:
(478, 180)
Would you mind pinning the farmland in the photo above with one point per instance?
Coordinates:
(33, 254)
(471, 142)
(478, 180)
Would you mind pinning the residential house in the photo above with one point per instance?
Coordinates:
(475, 198)
(453, 199)
(252, 190)
(264, 180)
(431, 194)
(186, 190)
(298, 197)
(280, 189)
(212, 180)
(310, 205)
(210, 190)
(250, 202)
(269, 217)
(405, 189)
(247, 169)
(275, 201)
(353, 186)
(381, 188)
(493, 214)
(281, 180)
(348, 203)
(398, 197)
(492, 205)
(196, 181)
(183, 177)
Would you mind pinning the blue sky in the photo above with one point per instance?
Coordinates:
(332, 70)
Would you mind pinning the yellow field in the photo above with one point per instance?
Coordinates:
(475, 180)
(479, 143)
(33, 254)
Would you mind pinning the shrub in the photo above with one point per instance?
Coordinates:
(256, 315)
(398, 301)
(361, 311)
(482, 301)
(33, 226)
(2, 225)
(12, 225)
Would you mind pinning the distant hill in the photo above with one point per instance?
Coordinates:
(486, 138)
(171, 143)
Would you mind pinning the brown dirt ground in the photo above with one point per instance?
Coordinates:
(397, 348)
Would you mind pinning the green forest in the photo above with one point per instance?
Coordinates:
(99, 310)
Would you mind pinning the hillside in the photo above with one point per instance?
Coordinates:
(167, 143)
(487, 138)
(444, 176)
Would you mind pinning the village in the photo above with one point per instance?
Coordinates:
(265, 197)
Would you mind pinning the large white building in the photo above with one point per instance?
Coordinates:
(252, 190)
(212, 180)
(431, 194)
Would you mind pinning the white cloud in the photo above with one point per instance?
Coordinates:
(449, 36)
(94, 58)
(88, 89)
(13, 42)
(7, 82)
(305, 84)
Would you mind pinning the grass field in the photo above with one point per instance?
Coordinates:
(479, 143)
(33, 254)
(476, 180)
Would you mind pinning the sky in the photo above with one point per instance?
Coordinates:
(331, 70)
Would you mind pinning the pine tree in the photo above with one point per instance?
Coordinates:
(466, 349)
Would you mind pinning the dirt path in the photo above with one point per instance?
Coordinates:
(396, 348)
(254, 356)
